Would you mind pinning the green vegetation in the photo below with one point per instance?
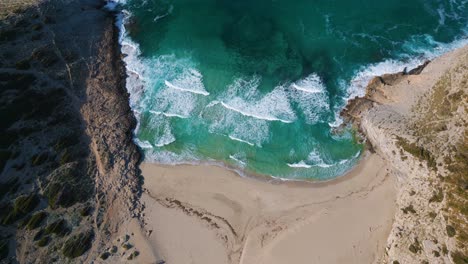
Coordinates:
(459, 258)
(457, 195)
(43, 241)
(415, 247)
(133, 255)
(39, 235)
(77, 245)
(417, 151)
(46, 56)
(127, 246)
(36, 220)
(449, 96)
(450, 231)
(39, 159)
(22, 206)
(437, 197)
(105, 255)
(23, 64)
(58, 227)
(408, 209)
(68, 187)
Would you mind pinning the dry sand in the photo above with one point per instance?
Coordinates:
(210, 215)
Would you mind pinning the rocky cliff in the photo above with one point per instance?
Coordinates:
(69, 169)
(418, 122)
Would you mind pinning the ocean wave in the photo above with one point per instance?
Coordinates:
(250, 114)
(201, 91)
(241, 140)
(243, 97)
(168, 114)
(311, 96)
(237, 159)
(300, 164)
(417, 50)
(143, 144)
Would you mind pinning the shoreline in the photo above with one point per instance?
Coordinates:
(295, 204)
(240, 172)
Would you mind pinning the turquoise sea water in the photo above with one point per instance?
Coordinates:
(258, 84)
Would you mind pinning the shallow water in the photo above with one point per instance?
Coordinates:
(259, 84)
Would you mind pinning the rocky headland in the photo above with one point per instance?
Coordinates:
(69, 169)
(417, 121)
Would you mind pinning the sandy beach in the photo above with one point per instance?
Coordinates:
(208, 214)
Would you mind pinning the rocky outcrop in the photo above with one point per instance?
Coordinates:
(69, 168)
(418, 121)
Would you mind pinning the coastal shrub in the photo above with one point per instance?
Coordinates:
(22, 206)
(459, 258)
(39, 159)
(415, 247)
(77, 245)
(85, 211)
(105, 255)
(36, 220)
(127, 246)
(450, 231)
(23, 64)
(65, 157)
(66, 141)
(417, 151)
(408, 209)
(43, 241)
(437, 197)
(39, 235)
(113, 249)
(46, 56)
(444, 249)
(133, 255)
(58, 227)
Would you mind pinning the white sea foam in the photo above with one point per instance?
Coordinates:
(166, 136)
(241, 140)
(250, 114)
(202, 92)
(168, 114)
(300, 164)
(252, 130)
(243, 97)
(358, 84)
(311, 97)
(143, 144)
(237, 159)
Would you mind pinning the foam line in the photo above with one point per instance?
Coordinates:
(170, 85)
(168, 114)
(300, 164)
(312, 91)
(268, 118)
(240, 140)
